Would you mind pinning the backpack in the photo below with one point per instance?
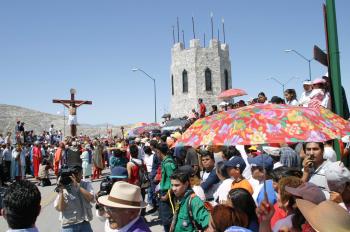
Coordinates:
(144, 181)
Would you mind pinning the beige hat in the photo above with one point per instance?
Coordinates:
(123, 195)
(176, 135)
(326, 216)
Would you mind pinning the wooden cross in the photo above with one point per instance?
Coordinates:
(72, 105)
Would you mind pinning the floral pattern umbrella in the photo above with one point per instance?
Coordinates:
(230, 93)
(142, 128)
(266, 123)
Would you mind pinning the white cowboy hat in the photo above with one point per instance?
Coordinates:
(123, 195)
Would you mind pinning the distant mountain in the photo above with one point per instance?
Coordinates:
(40, 121)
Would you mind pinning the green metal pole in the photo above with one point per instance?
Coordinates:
(334, 63)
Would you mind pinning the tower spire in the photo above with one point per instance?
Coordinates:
(194, 33)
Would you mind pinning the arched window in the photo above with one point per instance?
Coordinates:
(226, 79)
(208, 86)
(172, 85)
(184, 82)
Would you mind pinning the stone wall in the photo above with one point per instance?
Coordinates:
(195, 60)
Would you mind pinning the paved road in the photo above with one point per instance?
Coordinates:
(48, 218)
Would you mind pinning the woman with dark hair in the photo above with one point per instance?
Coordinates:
(241, 199)
(220, 195)
(291, 97)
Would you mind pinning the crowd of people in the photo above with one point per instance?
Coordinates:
(275, 187)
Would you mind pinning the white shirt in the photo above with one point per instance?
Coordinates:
(148, 159)
(222, 191)
(326, 102)
(305, 98)
(247, 173)
(294, 102)
(329, 154)
(284, 222)
(123, 229)
(318, 177)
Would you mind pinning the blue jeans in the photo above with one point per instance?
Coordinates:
(80, 227)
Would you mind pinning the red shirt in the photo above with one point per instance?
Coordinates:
(202, 110)
(279, 214)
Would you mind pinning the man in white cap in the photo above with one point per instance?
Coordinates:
(305, 96)
(123, 206)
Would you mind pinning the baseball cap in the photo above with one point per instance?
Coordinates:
(307, 83)
(236, 162)
(308, 191)
(318, 81)
(337, 175)
(261, 160)
(119, 172)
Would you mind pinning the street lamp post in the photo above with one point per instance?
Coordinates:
(308, 60)
(282, 84)
(155, 91)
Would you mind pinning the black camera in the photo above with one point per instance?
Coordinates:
(65, 175)
(105, 188)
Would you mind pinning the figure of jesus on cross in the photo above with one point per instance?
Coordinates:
(72, 105)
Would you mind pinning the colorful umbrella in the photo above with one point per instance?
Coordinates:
(230, 93)
(144, 127)
(265, 123)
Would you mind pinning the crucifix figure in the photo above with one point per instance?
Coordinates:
(72, 105)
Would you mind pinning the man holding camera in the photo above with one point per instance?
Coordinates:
(74, 200)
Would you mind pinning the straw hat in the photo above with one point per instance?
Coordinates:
(176, 135)
(326, 216)
(123, 195)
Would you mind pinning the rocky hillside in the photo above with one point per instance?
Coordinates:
(39, 121)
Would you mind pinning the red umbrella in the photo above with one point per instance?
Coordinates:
(232, 93)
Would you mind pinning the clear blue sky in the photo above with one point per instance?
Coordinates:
(47, 47)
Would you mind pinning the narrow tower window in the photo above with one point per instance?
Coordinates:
(226, 80)
(172, 85)
(184, 82)
(208, 86)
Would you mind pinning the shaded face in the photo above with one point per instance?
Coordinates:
(179, 188)
(288, 96)
(314, 150)
(307, 87)
(317, 86)
(208, 163)
(234, 172)
(118, 217)
(78, 176)
(261, 99)
(257, 173)
(158, 153)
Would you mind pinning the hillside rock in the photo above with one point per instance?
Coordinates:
(40, 121)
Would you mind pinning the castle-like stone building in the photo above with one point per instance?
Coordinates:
(198, 72)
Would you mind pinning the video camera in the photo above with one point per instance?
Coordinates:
(105, 188)
(65, 176)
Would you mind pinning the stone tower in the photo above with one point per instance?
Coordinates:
(198, 72)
